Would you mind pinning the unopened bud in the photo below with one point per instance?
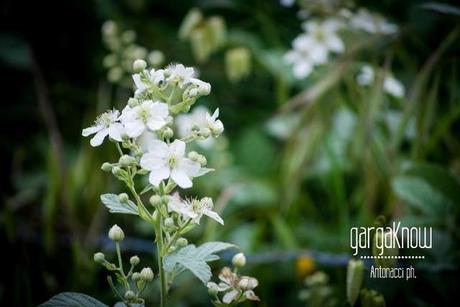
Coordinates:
(156, 58)
(133, 102)
(106, 167)
(116, 171)
(167, 133)
(116, 233)
(355, 272)
(182, 242)
(168, 223)
(127, 160)
(155, 200)
(134, 260)
(239, 260)
(147, 274)
(139, 65)
(129, 295)
(136, 276)
(99, 257)
(123, 197)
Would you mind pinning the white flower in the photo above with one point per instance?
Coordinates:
(148, 115)
(180, 74)
(214, 124)
(194, 209)
(165, 161)
(372, 23)
(393, 87)
(234, 286)
(156, 77)
(324, 35)
(195, 120)
(106, 124)
(145, 140)
(390, 85)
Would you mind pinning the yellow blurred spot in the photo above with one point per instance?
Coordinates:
(305, 266)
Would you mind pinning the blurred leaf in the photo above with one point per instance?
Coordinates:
(420, 195)
(194, 259)
(72, 299)
(441, 8)
(114, 205)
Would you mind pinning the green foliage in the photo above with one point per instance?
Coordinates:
(195, 259)
(72, 299)
(114, 205)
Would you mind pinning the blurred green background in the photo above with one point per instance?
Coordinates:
(300, 163)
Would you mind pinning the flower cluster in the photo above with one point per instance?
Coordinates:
(391, 85)
(313, 47)
(160, 95)
(133, 283)
(236, 288)
(123, 51)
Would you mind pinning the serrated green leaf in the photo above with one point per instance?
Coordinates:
(72, 299)
(195, 259)
(114, 205)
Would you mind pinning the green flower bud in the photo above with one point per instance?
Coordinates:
(127, 160)
(171, 249)
(168, 223)
(123, 197)
(194, 156)
(134, 260)
(237, 63)
(147, 274)
(167, 133)
(239, 260)
(156, 58)
(204, 133)
(165, 199)
(106, 167)
(116, 171)
(99, 257)
(155, 200)
(109, 28)
(116, 233)
(182, 242)
(115, 74)
(136, 276)
(133, 102)
(355, 271)
(110, 60)
(212, 290)
(128, 36)
(139, 65)
(129, 295)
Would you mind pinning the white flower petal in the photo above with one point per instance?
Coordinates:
(99, 137)
(230, 296)
(157, 175)
(178, 148)
(156, 123)
(214, 216)
(191, 168)
(181, 178)
(92, 130)
(134, 128)
(116, 131)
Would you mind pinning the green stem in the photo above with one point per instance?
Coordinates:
(176, 236)
(159, 239)
(120, 266)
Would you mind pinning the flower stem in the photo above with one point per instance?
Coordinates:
(159, 239)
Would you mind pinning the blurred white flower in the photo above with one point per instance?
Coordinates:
(180, 74)
(194, 120)
(390, 85)
(234, 286)
(312, 47)
(325, 35)
(145, 140)
(168, 160)
(106, 124)
(148, 115)
(372, 23)
(287, 3)
(193, 208)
